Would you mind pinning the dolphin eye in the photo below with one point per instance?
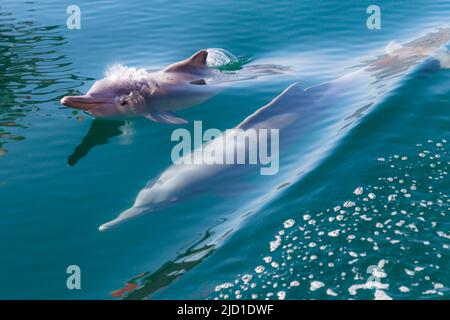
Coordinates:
(123, 101)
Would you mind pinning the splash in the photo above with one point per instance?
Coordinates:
(119, 71)
(219, 57)
(224, 60)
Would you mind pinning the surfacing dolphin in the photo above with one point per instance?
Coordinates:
(173, 88)
(310, 121)
(157, 95)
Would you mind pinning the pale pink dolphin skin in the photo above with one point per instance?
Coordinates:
(178, 86)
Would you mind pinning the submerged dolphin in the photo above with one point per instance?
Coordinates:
(309, 122)
(173, 88)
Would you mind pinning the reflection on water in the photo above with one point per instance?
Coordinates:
(99, 133)
(34, 73)
(142, 286)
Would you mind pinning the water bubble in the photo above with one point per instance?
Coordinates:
(316, 285)
(259, 269)
(289, 223)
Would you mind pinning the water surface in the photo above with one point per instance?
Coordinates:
(377, 197)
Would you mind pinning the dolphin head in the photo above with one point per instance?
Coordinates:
(158, 194)
(110, 98)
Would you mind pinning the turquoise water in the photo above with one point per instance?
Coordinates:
(375, 197)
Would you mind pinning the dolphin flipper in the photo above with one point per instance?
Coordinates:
(201, 82)
(165, 117)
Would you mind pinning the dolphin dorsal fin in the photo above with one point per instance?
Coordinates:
(197, 60)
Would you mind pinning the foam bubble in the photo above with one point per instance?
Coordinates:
(119, 71)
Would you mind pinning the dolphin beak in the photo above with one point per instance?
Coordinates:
(85, 102)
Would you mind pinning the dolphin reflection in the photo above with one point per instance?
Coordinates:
(100, 131)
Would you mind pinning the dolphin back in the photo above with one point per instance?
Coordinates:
(290, 103)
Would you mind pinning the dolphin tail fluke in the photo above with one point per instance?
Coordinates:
(125, 215)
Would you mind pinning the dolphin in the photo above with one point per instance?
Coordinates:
(156, 95)
(178, 86)
(309, 121)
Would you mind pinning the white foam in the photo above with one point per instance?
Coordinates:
(275, 244)
(119, 71)
(295, 283)
(316, 285)
(330, 292)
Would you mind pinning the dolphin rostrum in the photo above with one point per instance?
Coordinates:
(309, 121)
